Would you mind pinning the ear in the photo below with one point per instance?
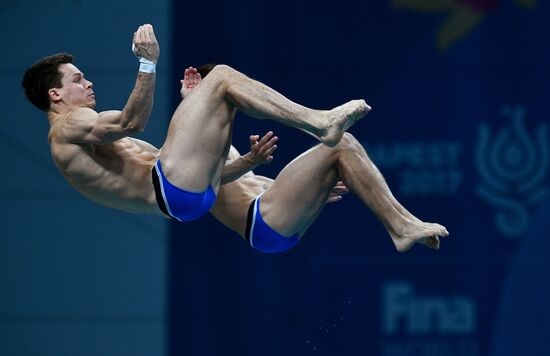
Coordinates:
(54, 95)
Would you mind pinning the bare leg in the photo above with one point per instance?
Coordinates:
(364, 179)
(259, 101)
(301, 189)
(199, 130)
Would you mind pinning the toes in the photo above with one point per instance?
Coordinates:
(433, 242)
(366, 107)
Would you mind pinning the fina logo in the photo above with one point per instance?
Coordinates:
(404, 311)
(513, 166)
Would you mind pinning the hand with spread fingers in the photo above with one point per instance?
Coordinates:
(191, 78)
(261, 150)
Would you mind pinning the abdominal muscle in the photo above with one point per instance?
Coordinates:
(117, 175)
(234, 199)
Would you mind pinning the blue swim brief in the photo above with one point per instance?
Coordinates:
(262, 237)
(177, 203)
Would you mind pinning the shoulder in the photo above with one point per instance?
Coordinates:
(79, 117)
(75, 126)
(82, 116)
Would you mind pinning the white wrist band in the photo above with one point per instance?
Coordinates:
(146, 66)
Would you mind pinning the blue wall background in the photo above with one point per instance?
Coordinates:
(460, 131)
(76, 278)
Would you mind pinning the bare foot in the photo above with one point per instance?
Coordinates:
(418, 232)
(342, 118)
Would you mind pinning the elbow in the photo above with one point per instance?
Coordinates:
(137, 129)
(133, 127)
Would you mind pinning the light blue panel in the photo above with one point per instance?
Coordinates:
(85, 336)
(76, 278)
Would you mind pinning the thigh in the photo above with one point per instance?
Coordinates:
(300, 191)
(217, 175)
(198, 137)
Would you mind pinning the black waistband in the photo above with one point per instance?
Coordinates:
(249, 220)
(158, 191)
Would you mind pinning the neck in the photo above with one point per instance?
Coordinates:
(55, 112)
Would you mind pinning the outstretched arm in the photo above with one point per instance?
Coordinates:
(261, 152)
(86, 125)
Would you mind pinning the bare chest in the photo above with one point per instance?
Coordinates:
(116, 174)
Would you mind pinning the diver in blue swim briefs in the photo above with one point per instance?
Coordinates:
(96, 154)
(273, 215)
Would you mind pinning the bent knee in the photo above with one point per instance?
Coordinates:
(221, 70)
(349, 141)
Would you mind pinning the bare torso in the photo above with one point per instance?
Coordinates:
(116, 174)
(234, 199)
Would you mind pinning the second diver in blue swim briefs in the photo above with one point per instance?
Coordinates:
(261, 236)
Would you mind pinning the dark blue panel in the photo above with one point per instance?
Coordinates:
(460, 131)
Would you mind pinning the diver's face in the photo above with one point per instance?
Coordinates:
(76, 91)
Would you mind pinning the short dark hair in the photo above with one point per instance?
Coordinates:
(205, 69)
(43, 76)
